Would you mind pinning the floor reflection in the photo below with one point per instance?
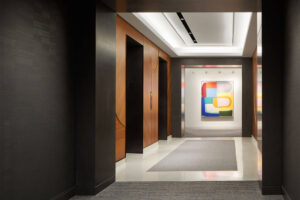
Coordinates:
(135, 167)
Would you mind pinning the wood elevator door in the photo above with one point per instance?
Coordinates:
(150, 94)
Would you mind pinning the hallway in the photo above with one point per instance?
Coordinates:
(149, 99)
(136, 167)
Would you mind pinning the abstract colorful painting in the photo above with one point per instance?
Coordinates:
(217, 98)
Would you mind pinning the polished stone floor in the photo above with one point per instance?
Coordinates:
(135, 166)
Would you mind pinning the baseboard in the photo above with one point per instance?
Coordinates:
(65, 195)
(286, 195)
(90, 190)
(271, 190)
(101, 186)
(176, 136)
(120, 162)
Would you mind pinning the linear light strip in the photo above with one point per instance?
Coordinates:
(186, 26)
(173, 28)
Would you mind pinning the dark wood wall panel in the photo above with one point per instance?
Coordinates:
(148, 103)
(153, 65)
(120, 89)
(120, 140)
(151, 56)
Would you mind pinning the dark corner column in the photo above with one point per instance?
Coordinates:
(105, 96)
(272, 62)
(82, 17)
(176, 97)
(291, 125)
(93, 26)
(247, 100)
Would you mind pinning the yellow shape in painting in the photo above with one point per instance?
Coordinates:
(215, 102)
(259, 108)
(224, 96)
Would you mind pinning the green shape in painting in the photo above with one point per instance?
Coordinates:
(208, 100)
(226, 113)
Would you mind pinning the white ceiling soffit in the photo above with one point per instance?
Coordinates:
(217, 34)
(141, 27)
(251, 41)
(259, 34)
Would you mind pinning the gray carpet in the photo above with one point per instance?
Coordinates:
(200, 155)
(248, 190)
(190, 132)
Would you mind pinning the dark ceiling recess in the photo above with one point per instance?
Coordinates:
(186, 26)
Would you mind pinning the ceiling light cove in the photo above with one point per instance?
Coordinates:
(200, 34)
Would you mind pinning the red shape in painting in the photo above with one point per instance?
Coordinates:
(211, 85)
(204, 90)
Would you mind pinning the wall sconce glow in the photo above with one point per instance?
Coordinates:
(160, 25)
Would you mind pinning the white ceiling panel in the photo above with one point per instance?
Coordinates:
(214, 29)
(179, 27)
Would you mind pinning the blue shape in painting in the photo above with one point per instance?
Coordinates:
(211, 92)
(205, 113)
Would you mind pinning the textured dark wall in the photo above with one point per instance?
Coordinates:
(272, 63)
(37, 141)
(247, 89)
(57, 94)
(291, 126)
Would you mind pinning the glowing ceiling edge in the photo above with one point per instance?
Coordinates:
(171, 40)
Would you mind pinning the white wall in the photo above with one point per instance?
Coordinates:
(193, 79)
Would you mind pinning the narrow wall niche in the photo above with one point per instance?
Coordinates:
(163, 100)
(134, 96)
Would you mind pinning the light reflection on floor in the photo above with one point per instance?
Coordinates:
(135, 166)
